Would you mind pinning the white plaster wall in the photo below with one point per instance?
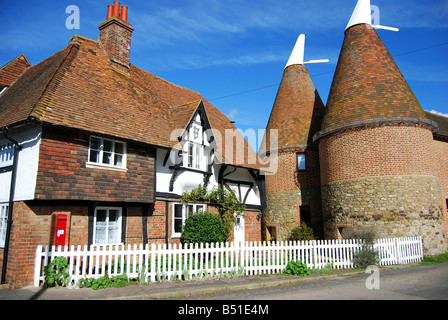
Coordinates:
(187, 180)
(29, 139)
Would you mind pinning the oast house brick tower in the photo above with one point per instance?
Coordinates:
(376, 146)
(293, 191)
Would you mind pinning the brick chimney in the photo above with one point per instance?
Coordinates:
(115, 36)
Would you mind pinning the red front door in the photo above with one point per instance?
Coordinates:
(61, 227)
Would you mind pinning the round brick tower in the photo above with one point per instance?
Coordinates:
(293, 191)
(376, 147)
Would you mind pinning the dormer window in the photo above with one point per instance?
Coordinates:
(194, 148)
(6, 154)
(195, 155)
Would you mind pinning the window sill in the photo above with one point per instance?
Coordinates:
(91, 165)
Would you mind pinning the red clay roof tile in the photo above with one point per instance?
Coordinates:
(368, 84)
(78, 88)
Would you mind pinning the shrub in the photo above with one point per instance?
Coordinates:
(297, 268)
(204, 227)
(302, 233)
(104, 282)
(367, 255)
(56, 273)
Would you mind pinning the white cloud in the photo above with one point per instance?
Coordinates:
(232, 114)
(439, 113)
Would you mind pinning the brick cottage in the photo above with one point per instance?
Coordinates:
(94, 150)
(98, 151)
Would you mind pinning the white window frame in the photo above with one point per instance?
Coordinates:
(301, 160)
(6, 154)
(3, 223)
(185, 214)
(120, 225)
(194, 157)
(101, 153)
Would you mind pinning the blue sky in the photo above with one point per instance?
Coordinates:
(234, 51)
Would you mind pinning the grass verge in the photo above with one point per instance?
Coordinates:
(435, 259)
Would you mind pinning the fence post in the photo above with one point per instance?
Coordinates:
(37, 266)
(153, 263)
(314, 244)
(397, 248)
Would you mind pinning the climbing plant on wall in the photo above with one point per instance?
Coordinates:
(224, 199)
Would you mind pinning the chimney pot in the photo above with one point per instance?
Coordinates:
(110, 10)
(116, 11)
(124, 13)
(115, 36)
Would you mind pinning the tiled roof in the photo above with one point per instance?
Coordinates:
(442, 122)
(298, 109)
(368, 84)
(78, 88)
(12, 70)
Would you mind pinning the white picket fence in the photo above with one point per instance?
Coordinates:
(151, 263)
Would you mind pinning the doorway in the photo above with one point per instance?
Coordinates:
(239, 230)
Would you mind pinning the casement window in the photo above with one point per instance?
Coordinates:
(180, 213)
(6, 154)
(107, 224)
(107, 152)
(301, 162)
(3, 221)
(194, 156)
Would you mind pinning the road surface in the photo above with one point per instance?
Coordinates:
(421, 282)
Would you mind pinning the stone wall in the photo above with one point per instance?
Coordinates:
(392, 206)
(283, 211)
(287, 190)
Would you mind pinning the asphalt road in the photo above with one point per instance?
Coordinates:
(424, 282)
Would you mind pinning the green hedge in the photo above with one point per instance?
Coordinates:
(204, 227)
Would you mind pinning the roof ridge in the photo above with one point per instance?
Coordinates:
(20, 55)
(73, 46)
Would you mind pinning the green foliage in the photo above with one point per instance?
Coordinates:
(56, 273)
(367, 255)
(302, 233)
(297, 268)
(196, 195)
(225, 200)
(435, 259)
(104, 282)
(204, 227)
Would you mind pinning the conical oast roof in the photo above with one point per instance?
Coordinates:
(298, 108)
(368, 84)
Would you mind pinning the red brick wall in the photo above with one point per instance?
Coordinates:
(376, 151)
(34, 225)
(157, 223)
(288, 178)
(63, 173)
(27, 232)
(289, 189)
(115, 36)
